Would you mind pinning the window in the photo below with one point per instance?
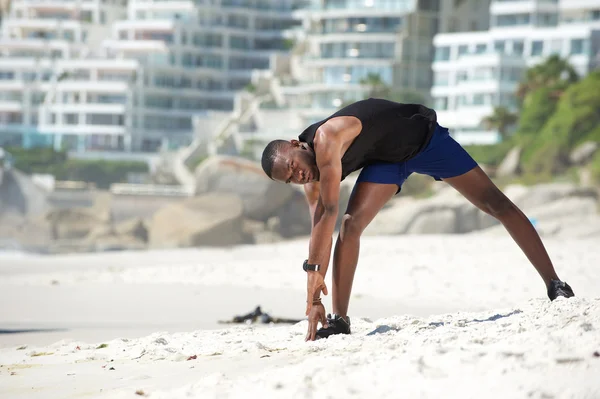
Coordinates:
(70, 119)
(513, 19)
(441, 103)
(442, 54)
(104, 119)
(537, 47)
(499, 46)
(517, 48)
(577, 46)
(463, 49)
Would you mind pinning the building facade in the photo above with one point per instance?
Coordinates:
(477, 71)
(107, 75)
(351, 45)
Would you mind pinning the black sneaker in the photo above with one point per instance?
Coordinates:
(335, 325)
(559, 288)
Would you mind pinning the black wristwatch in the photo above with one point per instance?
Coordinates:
(308, 267)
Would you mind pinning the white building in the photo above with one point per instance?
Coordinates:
(106, 76)
(341, 42)
(39, 42)
(475, 71)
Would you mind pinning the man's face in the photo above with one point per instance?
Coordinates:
(295, 164)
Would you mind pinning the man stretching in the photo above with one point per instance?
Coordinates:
(389, 141)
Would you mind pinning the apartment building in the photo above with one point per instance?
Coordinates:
(476, 71)
(342, 42)
(102, 75)
(348, 40)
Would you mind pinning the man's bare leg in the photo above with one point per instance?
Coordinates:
(366, 201)
(477, 187)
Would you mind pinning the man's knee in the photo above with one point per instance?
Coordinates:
(496, 203)
(350, 227)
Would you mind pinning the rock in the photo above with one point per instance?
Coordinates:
(130, 234)
(206, 220)
(440, 221)
(293, 218)
(583, 153)
(528, 198)
(261, 197)
(510, 164)
(132, 228)
(446, 213)
(78, 223)
(570, 207)
(117, 243)
(20, 196)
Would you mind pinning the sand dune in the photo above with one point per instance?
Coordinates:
(433, 317)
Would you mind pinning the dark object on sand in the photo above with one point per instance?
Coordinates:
(257, 316)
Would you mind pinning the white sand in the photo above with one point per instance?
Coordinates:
(454, 317)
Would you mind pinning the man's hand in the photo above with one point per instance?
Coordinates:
(315, 285)
(316, 315)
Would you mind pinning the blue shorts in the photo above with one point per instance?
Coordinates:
(442, 158)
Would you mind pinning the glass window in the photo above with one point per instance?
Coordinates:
(499, 46)
(577, 46)
(441, 103)
(537, 47)
(518, 47)
(442, 53)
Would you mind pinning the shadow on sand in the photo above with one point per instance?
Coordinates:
(385, 328)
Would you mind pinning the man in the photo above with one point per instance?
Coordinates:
(389, 141)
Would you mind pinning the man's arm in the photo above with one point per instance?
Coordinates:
(312, 191)
(329, 161)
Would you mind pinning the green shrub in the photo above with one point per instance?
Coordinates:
(492, 154)
(47, 160)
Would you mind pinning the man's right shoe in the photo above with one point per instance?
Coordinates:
(335, 325)
(559, 288)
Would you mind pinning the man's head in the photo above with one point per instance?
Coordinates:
(290, 162)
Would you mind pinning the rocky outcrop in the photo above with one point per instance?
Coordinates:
(261, 197)
(510, 165)
(549, 206)
(583, 153)
(446, 213)
(206, 220)
(78, 223)
(20, 197)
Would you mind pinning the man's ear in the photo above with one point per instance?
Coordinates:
(295, 143)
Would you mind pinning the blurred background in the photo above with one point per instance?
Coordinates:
(134, 125)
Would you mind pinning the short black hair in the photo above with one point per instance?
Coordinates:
(269, 154)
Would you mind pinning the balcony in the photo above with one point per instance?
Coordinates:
(578, 4)
(487, 58)
(503, 7)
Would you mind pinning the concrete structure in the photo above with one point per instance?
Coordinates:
(476, 71)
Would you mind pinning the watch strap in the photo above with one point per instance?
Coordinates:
(310, 267)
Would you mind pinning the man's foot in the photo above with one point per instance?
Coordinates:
(335, 325)
(559, 288)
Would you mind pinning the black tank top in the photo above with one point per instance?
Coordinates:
(391, 132)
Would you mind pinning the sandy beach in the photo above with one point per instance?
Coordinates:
(432, 316)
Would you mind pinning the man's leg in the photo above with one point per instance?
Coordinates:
(366, 201)
(477, 187)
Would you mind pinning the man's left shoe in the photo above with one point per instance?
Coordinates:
(559, 288)
(335, 325)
